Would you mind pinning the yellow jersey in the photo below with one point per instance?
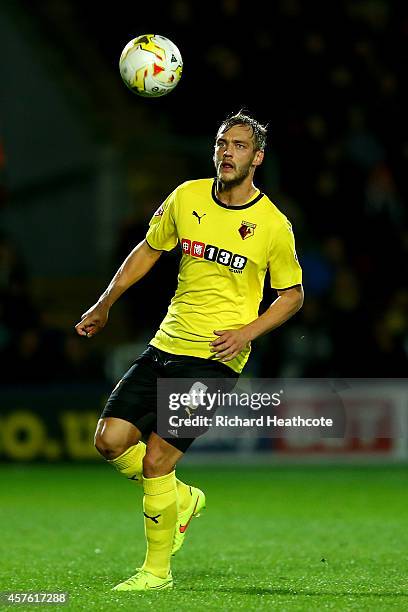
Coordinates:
(226, 251)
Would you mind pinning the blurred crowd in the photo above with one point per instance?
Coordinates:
(33, 350)
(337, 152)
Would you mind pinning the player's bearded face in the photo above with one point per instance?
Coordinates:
(233, 173)
(234, 155)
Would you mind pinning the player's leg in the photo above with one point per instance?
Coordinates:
(218, 377)
(190, 500)
(160, 503)
(160, 516)
(129, 416)
(119, 441)
(128, 419)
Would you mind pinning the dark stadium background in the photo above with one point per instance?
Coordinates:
(84, 163)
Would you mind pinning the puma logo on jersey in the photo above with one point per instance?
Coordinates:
(195, 214)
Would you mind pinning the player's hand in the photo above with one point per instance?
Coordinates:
(93, 320)
(229, 344)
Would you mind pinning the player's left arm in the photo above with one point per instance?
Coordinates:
(231, 342)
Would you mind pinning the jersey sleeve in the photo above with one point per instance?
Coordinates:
(162, 232)
(283, 264)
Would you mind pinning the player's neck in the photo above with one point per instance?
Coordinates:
(235, 195)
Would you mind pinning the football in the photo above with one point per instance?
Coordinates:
(151, 65)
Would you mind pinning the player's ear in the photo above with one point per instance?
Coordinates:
(258, 159)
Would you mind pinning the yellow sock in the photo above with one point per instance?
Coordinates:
(130, 463)
(183, 495)
(160, 512)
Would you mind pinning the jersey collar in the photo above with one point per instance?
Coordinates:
(247, 205)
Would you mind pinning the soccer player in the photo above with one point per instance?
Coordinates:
(230, 234)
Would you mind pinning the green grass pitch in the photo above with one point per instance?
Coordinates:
(272, 538)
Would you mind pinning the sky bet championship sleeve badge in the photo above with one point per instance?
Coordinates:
(159, 212)
(247, 229)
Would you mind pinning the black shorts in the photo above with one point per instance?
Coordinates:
(134, 398)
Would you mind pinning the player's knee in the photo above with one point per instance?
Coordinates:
(109, 445)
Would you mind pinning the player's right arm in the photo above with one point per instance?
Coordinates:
(136, 265)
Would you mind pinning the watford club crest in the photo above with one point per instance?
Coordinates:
(247, 229)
